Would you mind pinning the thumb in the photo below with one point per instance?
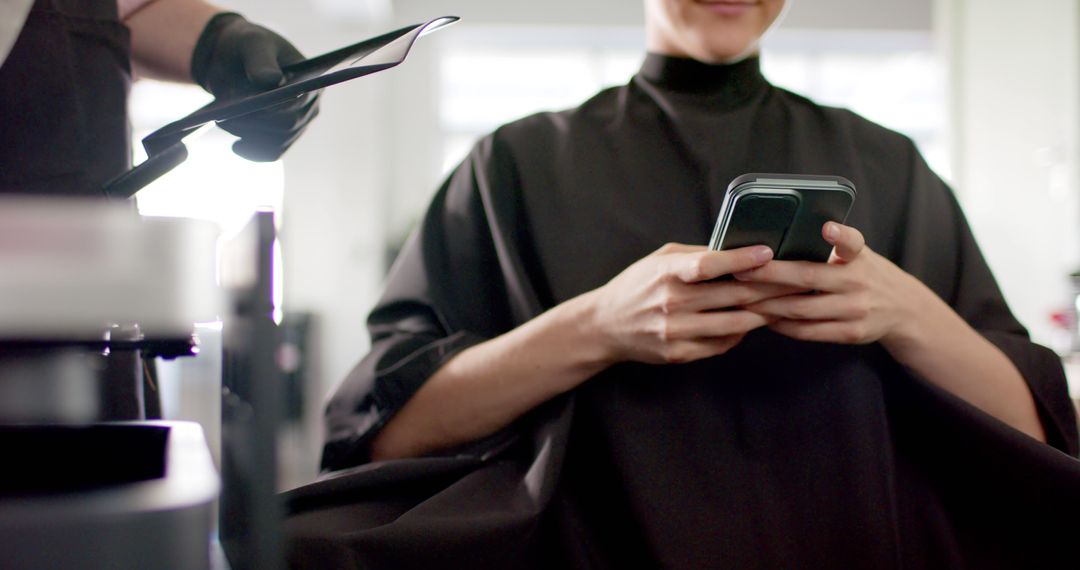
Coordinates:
(847, 241)
(259, 54)
(707, 265)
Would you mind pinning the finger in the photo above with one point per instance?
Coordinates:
(265, 149)
(806, 275)
(260, 56)
(698, 326)
(847, 241)
(839, 332)
(679, 248)
(257, 150)
(278, 121)
(714, 295)
(263, 144)
(287, 53)
(255, 125)
(819, 307)
(691, 350)
(709, 264)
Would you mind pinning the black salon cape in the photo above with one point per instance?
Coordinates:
(779, 454)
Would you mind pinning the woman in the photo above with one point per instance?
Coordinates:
(714, 423)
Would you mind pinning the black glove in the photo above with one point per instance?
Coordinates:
(235, 57)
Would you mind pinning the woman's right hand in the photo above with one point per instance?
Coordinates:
(668, 307)
(665, 308)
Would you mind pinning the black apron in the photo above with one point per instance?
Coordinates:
(63, 100)
(64, 131)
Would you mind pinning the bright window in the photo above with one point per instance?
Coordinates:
(892, 78)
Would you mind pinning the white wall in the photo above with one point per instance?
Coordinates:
(812, 14)
(1015, 80)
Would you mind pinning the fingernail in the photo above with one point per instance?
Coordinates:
(267, 78)
(761, 253)
(742, 275)
(831, 230)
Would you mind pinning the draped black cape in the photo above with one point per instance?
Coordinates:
(778, 454)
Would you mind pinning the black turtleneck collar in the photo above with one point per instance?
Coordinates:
(722, 83)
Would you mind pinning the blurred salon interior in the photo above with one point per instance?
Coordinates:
(281, 261)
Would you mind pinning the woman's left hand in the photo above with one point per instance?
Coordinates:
(859, 296)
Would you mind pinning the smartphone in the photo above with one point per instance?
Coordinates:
(783, 211)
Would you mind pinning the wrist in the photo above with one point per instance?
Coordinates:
(919, 323)
(584, 333)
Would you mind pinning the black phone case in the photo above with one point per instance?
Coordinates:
(783, 211)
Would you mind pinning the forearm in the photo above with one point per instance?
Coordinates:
(489, 385)
(942, 348)
(664, 308)
(163, 36)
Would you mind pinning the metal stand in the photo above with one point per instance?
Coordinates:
(251, 414)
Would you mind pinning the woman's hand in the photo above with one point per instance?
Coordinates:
(669, 308)
(860, 298)
(665, 308)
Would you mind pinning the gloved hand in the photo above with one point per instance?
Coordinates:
(234, 57)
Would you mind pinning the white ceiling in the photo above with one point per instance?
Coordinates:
(803, 14)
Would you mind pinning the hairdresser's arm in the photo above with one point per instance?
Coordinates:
(163, 36)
